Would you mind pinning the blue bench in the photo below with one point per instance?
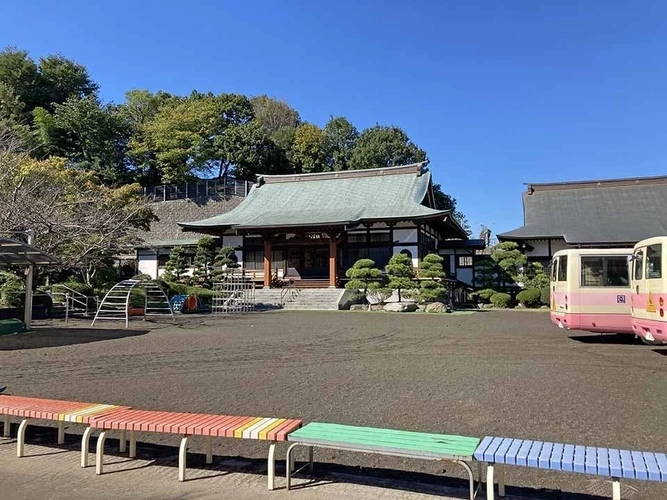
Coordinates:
(592, 460)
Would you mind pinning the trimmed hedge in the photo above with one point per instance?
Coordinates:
(530, 297)
(501, 300)
(545, 295)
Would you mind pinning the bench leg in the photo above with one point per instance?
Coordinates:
(471, 477)
(133, 445)
(122, 444)
(6, 427)
(182, 456)
(209, 450)
(310, 459)
(61, 432)
(85, 444)
(20, 438)
(501, 481)
(99, 456)
(490, 493)
(289, 464)
(616, 490)
(272, 466)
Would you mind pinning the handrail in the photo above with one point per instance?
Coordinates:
(73, 296)
(289, 289)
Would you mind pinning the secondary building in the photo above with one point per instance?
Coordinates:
(612, 213)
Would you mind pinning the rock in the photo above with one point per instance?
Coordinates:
(486, 306)
(421, 307)
(545, 307)
(400, 307)
(358, 307)
(436, 307)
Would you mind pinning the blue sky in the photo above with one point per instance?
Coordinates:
(497, 93)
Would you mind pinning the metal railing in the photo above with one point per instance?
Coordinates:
(73, 300)
(227, 186)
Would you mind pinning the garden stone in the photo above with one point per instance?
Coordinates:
(400, 307)
(358, 307)
(436, 307)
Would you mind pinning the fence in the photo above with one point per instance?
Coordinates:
(226, 186)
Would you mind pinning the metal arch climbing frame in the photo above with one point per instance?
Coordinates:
(116, 303)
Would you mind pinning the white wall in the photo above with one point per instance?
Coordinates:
(147, 263)
(406, 235)
(557, 245)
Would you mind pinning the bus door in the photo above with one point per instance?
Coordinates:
(559, 286)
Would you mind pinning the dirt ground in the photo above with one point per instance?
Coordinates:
(509, 373)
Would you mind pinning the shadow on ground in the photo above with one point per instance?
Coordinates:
(58, 337)
(324, 472)
(607, 338)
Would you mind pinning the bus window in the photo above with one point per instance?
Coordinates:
(654, 261)
(639, 265)
(592, 271)
(617, 271)
(553, 269)
(562, 268)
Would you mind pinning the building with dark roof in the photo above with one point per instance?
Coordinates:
(313, 227)
(606, 213)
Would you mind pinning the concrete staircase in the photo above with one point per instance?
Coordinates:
(299, 298)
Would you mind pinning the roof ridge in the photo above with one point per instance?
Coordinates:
(412, 168)
(622, 182)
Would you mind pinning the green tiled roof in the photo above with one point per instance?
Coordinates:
(333, 198)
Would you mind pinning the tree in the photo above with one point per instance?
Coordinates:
(534, 276)
(177, 266)
(310, 148)
(509, 258)
(445, 201)
(400, 273)
(91, 136)
(431, 274)
(364, 278)
(74, 217)
(252, 152)
(203, 261)
(20, 73)
(382, 146)
(274, 114)
(225, 263)
(12, 116)
(340, 138)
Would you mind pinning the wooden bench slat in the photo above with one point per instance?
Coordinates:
(555, 462)
(544, 458)
(661, 459)
(603, 462)
(502, 449)
(652, 467)
(522, 455)
(490, 452)
(615, 463)
(591, 460)
(534, 453)
(627, 466)
(640, 470)
(511, 454)
(580, 459)
(483, 446)
(567, 461)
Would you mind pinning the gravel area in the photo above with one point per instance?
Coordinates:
(493, 372)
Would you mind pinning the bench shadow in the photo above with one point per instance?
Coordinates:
(607, 338)
(42, 337)
(661, 351)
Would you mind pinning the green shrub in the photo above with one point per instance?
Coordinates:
(142, 276)
(12, 289)
(204, 294)
(545, 295)
(501, 300)
(485, 295)
(529, 297)
(78, 287)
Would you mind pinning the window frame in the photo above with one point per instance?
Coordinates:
(649, 261)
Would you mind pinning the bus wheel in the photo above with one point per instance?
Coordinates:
(650, 342)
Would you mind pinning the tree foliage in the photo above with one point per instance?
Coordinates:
(431, 275)
(364, 278)
(204, 261)
(225, 263)
(381, 146)
(401, 274)
(177, 266)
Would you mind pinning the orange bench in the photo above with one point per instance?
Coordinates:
(192, 424)
(52, 409)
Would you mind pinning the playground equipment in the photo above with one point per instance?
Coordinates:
(649, 290)
(234, 294)
(116, 303)
(590, 290)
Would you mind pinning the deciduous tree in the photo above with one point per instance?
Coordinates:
(382, 146)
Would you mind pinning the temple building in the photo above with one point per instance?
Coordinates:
(313, 227)
(607, 213)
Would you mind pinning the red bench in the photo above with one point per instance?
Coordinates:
(55, 410)
(192, 424)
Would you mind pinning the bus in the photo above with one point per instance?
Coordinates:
(590, 290)
(649, 290)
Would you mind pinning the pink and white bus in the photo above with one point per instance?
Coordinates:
(590, 290)
(649, 290)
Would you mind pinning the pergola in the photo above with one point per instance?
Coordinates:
(17, 253)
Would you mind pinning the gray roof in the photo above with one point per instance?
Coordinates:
(166, 232)
(328, 199)
(617, 211)
(13, 252)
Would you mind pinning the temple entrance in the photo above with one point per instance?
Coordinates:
(309, 262)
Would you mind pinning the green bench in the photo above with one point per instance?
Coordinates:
(457, 449)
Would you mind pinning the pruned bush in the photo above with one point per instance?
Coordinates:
(545, 295)
(12, 289)
(485, 295)
(501, 300)
(78, 286)
(530, 297)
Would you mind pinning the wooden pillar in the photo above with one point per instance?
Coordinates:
(333, 260)
(267, 263)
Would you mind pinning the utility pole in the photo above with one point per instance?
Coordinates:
(30, 272)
